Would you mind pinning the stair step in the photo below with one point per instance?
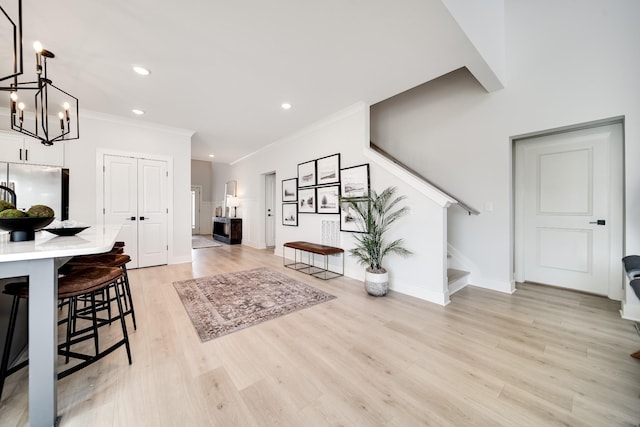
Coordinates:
(457, 279)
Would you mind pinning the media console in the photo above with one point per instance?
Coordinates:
(227, 230)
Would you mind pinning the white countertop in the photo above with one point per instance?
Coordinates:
(96, 239)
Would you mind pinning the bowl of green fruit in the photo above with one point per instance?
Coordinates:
(23, 225)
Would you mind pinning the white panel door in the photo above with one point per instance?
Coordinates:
(121, 200)
(152, 212)
(135, 195)
(270, 207)
(567, 214)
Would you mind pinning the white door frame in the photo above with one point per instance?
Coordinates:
(100, 153)
(617, 234)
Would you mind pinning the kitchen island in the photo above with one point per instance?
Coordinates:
(40, 259)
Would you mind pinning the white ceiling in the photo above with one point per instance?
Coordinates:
(223, 68)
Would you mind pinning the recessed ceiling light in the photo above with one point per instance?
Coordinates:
(141, 70)
(137, 112)
(211, 155)
(286, 106)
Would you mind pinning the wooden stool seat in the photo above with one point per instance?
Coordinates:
(108, 260)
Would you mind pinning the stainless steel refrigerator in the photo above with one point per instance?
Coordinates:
(37, 185)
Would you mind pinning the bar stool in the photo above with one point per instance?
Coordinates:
(110, 260)
(87, 281)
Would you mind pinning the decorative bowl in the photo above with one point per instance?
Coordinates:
(22, 229)
(68, 231)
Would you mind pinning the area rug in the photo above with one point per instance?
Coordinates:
(222, 304)
(202, 241)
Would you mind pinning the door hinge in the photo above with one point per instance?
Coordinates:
(167, 172)
(167, 210)
(104, 211)
(104, 168)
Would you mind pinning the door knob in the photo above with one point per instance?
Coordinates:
(598, 222)
(142, 218)
(133, 218)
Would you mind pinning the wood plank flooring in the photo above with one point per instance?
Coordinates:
(540, 357)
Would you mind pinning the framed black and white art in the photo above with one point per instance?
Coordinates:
(307, 200)
(290, 214)
(307, 174)
(290, 190)
(350, 219)
(355, 181)
(328, 169)
(328, 199)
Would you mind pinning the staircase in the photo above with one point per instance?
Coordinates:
(450, 279)
(457, 279)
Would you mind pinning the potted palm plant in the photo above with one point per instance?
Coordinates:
(375, 214)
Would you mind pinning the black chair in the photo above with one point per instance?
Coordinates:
(632, 268)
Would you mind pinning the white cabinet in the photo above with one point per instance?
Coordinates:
(17, 149)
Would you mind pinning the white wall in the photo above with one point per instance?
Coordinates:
(565, 66)
(100, 132)
(346, 133)
(483, 23)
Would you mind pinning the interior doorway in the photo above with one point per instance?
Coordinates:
(270, 209)
(196, 201)
(569, 209)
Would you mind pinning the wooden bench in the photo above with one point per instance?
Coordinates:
(310, 267)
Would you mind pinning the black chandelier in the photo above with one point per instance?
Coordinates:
(39, 109)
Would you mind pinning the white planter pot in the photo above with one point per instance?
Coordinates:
(376, 284)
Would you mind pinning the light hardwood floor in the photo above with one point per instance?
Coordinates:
(540, 357)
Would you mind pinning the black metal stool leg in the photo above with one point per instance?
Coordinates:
(124, 325)
(128, 296)
(7, 345)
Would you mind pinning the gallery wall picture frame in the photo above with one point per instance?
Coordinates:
(290, 214)
(290, 190)
(328, 199)
(328, 169)
(307, 200)
(350, 221)
(355, 181)
(307, 174)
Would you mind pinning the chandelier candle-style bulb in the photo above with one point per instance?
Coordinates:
(21, 108)
(14, 100)
(66, 107)
(61, 116)
(37, 46)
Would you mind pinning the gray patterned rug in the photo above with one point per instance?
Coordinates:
(199, 241)
(222, 304)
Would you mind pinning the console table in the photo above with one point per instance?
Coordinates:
(227, 230)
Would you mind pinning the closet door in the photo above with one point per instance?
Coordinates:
(135, 196)
(152, 212)
(121, 201)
